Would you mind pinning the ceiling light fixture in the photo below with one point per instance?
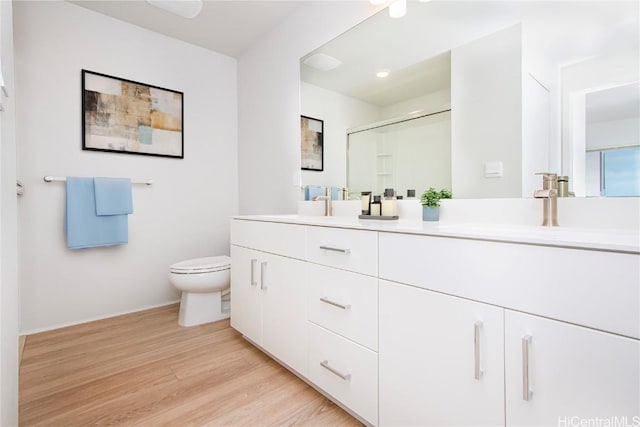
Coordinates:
(382, 74)
(184, 8)
(398, 9)
(322, 62)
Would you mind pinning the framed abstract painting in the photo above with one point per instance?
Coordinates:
(124, 116)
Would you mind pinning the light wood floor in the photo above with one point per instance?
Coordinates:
(143, 369)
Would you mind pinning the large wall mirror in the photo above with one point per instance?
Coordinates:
(479, 96)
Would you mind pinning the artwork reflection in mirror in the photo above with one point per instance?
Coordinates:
(312, 134)
(506, 70)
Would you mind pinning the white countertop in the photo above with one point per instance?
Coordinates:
(581, 238)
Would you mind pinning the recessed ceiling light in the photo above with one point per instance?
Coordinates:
(322, 62)
(184, 8)
(398, 9)
(382, 74)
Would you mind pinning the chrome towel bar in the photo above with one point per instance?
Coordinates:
(62, 179)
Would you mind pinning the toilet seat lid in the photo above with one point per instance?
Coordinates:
(202, 265)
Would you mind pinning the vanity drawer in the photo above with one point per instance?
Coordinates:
(353, 250)
(344, 302)
(591, 288)
(273, 237)
(345, 370)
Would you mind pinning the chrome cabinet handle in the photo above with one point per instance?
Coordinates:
(477, 371)
(254, 263)
(263, 273)
(325, 365)
(329, 248)
(335, 304)
(526, 389)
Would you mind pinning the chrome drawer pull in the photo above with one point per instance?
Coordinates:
(254, 263)
(526, 389)
(477, 372)
(263, 273)
(325, 365)
(342, 251)
(335, 304)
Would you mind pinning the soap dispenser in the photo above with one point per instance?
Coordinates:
(389, 203)
(376, 206)
(366, 202)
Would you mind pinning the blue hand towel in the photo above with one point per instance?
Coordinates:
(113, 196)
(84, 228)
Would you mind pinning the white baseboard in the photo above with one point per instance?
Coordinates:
(93, 319)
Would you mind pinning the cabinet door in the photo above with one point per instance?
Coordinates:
(573, 373)
(284, 310)
(427, 359)
(246, 296)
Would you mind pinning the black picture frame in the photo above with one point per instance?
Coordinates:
(125, 116)
(312, 144)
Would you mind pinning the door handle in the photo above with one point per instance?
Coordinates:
(477, 371)
(341, 250)
(254, 264)
(526, 387)
(325, 365)
(335, 304)
(263, 275)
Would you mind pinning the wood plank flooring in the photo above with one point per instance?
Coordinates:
(143, 369)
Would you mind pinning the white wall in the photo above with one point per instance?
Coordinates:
(185, 213)
(613, 134)
(339, 113)
(269, 103)
(8, 231)
(486, 115)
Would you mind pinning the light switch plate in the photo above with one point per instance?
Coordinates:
(493, 170)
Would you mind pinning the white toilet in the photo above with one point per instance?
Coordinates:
(204, 283)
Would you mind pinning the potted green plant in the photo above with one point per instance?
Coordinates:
(430, 202)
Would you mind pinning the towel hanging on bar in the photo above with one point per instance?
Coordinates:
(86, 229)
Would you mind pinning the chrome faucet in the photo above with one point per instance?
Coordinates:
(328, 209)
(549, 193)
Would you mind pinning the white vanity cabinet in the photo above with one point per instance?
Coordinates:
(309, 296)
(268, 291)
(441, 359)
(342, 304)
(572, 370)
(556, 371)
(411, 328)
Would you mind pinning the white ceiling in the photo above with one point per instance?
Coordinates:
(228, 27)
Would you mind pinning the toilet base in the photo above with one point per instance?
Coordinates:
(200, 308)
